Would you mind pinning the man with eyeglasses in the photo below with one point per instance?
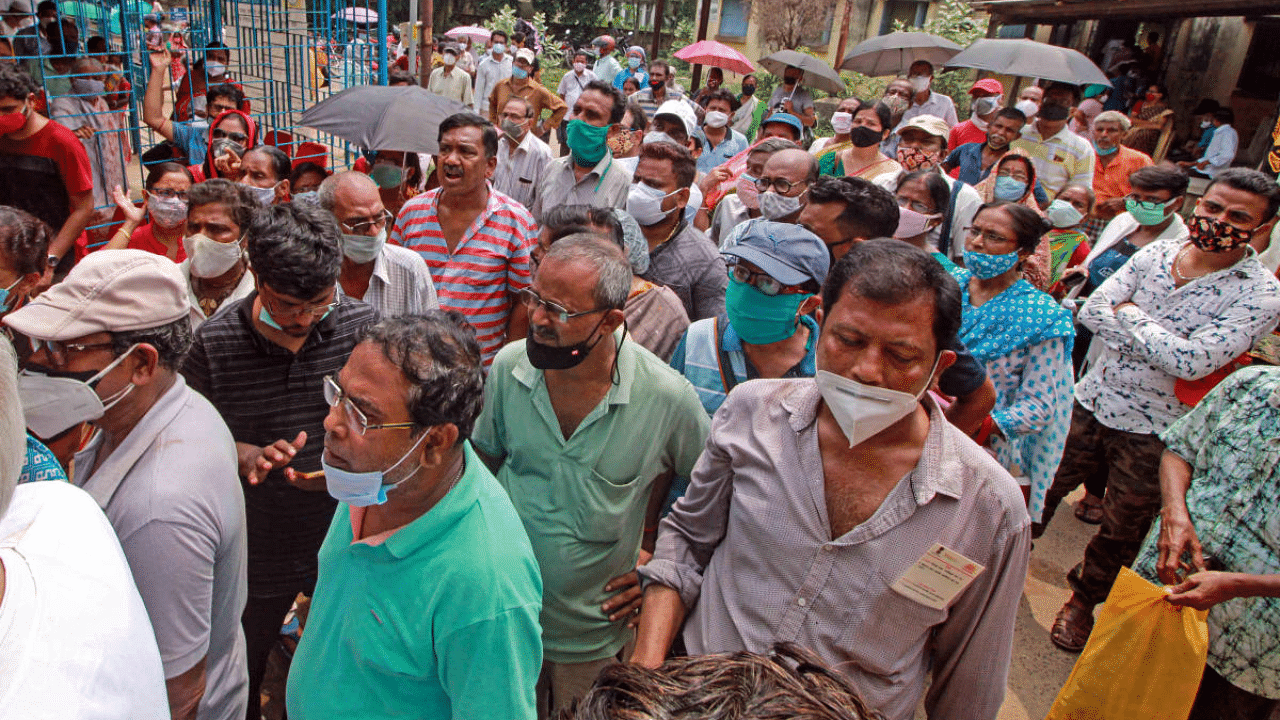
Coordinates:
(161, 463)
(1177, 311)
(192, 135)
(680, 256)
(522, 156)
(563, 410)
(424, 536)
(262, 363)
(393, 280)
(776, 271)
(782, 189)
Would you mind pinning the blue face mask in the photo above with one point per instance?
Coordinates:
(985, 266)
(4, 295)
(518, 72)
(362, 489)
(270, 322)
(1106, 151)
(1009, 189)
(762, 319)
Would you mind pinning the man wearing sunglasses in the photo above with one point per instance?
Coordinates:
(585, 430)
(394, 280)
(262, 362)
(775, 273)
(161, 464)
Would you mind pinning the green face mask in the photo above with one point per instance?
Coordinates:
(586, 141)
(1147, 213)
(762, 319)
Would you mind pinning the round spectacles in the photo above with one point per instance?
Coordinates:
(782, 185)
(762, 281)
(357, 421)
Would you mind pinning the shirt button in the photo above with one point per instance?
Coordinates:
(802, 602)
(828, 548)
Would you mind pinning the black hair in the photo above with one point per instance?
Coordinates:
(400, 77)
(63, 37)
(505, 38)
(488, 133)
(683, 166)
(281, 166)
(24, 240)
(937, 188)
(438, 355)
(882, 111)
(220, 191)
(303, 169)
(894, 272)
(666, 69)
(1068, 87)
(225, 90)
(96, 45)
(1224, 115)
(1028, 225)
(295, 249)
(609, 91)
(1161, 177)
(1011, 113)
(562, 221)
(639, 119)
(722, 94)
(159, 170)
(869, 210)
(15, 82)
(1251, 181)
(172, 341)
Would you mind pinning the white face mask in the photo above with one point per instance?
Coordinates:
(210, 258)
(215, 69)
(450, 59)
(644, 203)
(264, 196)
(863, 410)
(715, 119)
(361, 249)
(88, 87)
(53, 404)
(578, 67)
(657, 136)
(842, 122)
(1063, 214)
(775, 207)
(920, 83)
(167, 212)
(979, 123)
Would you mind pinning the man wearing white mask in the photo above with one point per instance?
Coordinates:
(394, 280)
(218, 213)
(571, 86)
(912, 520)
(719, 141)
(925, 101)
(449, 80)
(782, 188)
(492, 69)
(744, 202)
(265, 172)
(988, 97)
(680, 256)
(161, 463)
(522, 156)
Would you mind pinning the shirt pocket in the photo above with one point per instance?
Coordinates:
(887, 632)
(604, 509)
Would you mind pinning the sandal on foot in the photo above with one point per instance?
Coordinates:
(1072, 626)
(1089, 510)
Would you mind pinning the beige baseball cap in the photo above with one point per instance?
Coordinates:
(108, 291)
(931, 124)
(525, 54)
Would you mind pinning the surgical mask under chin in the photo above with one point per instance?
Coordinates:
(1147, 213)
(263, 196)
(209, 258)
(985, 266)
(362, 489)
(863, 411)
(1105, 151)
(761, 319)
(1063, 214)
(361, 249)
(644, 203)
(979, 123)
(774, 206)
(842, 122)
(1009, 188)
(912, 224)
(52, 403)
(386, 176)
(167, 212)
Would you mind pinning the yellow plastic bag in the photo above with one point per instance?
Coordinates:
(1143, 660)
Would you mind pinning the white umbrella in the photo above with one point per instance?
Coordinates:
(1028, 58)
(816, 73)
(358, 15)
(893, 54)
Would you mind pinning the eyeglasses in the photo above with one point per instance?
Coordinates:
(220, 134)
(762, 281)
(987, 236)
(362, 227)
(169, 194)
(915, 205)
(1150, 204)
(58, 350)
(782, 184)
(357, 421)
(532, 300)
(297, 311)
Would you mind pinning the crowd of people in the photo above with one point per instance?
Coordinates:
(479, 406)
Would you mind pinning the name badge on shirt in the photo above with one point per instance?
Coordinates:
(937, 577)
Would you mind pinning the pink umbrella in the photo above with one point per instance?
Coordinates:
(477, 34)
(716, 54)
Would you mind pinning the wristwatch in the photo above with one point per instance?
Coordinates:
(54, 260)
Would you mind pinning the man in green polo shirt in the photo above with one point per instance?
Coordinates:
(428, 595)
(585, 429)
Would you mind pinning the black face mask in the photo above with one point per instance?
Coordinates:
(551, 357)
(790, 81)
(863, 136)
(83, 375)
(748, 90)
(655, 84)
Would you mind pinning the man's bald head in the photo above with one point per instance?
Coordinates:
(353, 198)
(794, 164)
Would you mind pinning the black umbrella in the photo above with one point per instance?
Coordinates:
(384, 118)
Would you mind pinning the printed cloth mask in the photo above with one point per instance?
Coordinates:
(620, 143)
(985, 266)
(5, 300)
(842, 122)
(512, 130)
(87, 86)
(361, 249)
(386, 176)
(551, 357)
(633, 62)
(210, 258)
(53, 401)
(644, 203)
(1105, 151)
(748, 193)
(920, 83)
(863, 136)
(1009, 188)
(1063, 214)
(362, 489)
(518, 72)
(774, 206)
(1215, 236)
(912, 159)
(912, 223)
(12, 122)
(166, 212)
(716, 119)
(1148, 213)
(896, 104)
(863, 411)
(215, 69)
(761, 319)
(263, 196)
(586, 141)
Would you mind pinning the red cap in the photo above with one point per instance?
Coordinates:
(990, 85)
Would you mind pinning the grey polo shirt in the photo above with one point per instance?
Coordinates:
(171, 490)
(605, 186)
